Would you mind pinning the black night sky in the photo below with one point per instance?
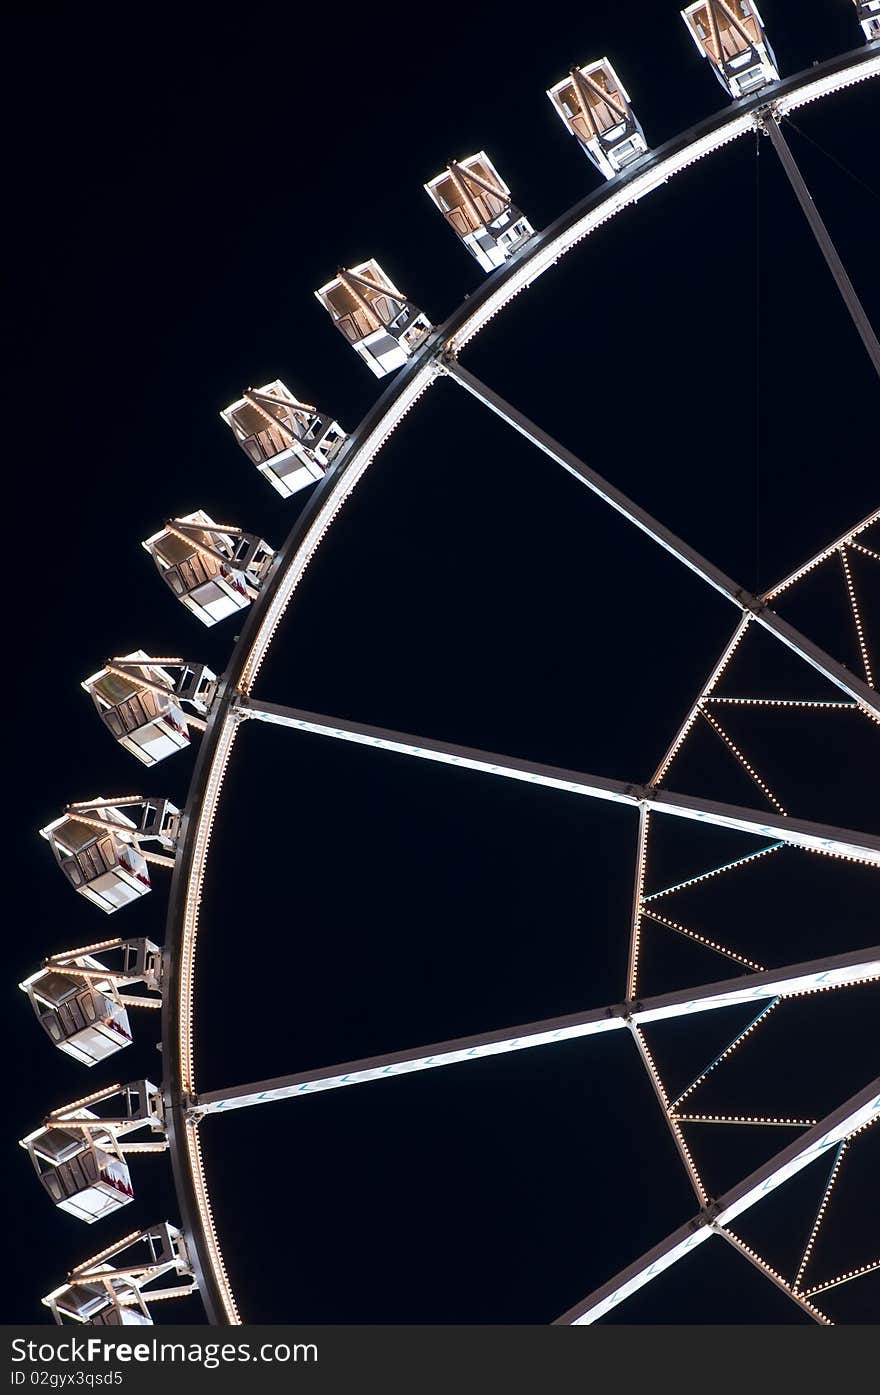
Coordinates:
(185, 179)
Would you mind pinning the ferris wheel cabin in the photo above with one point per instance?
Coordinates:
(101, 865)
(114, 1287)
(78, 1176)
(80, 1019)
(381, 325)
(594, 105)
(139, 701)
(291, 443)
(869, 17)
(730, 33)
(476, 203)
(146, 722)
(214, 571)
(97, 846)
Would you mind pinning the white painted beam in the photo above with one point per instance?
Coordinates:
(863, 847)
(836, 972)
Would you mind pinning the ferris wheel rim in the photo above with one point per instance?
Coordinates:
(363, 446)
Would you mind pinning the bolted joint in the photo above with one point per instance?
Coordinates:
(642, 793)
(444, 358)
(706, 1218)
(763, 117)
(749, 602)
(709, 1215)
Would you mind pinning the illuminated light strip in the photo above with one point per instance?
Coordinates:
(207, 814)
(854, 604)
(829, 551)
(866, 550)
(104, 1094)
(816, 837)
(349, 472)
(129, 830)
(110, 1250)
(194, 1149)
(150, 659)
(714, 872)
(702, 940)
(131, 1300)
(823, 87)
(749, 769)
(820, 1213)
(844, 1278)
(761, 1264)
(783, 702)
(100, 972)
(860, 1109)
(679, 1139)
(840, 971)
(638, 901)
(83, 950)
(711, 683)
(743, 1119)
(728, 1051)
(119, 801)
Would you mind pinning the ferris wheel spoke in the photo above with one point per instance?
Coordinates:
(770, 123)
(750, 605)
(854, 1114)
(839, 971)
(863, 847)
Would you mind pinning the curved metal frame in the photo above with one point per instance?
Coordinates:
(538, 255)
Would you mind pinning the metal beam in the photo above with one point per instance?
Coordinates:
(861, 1109)
(864, 847)
(813, 976)
(859, 318)
(830, 668)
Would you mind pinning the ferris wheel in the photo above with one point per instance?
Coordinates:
(106, 846)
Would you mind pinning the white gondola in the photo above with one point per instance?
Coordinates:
(381, 325)
(730, 33)
(81, 1020)
(476, 203)
(98, 846)
(77, 1002)
(214, 570)
(869, 18)
(113, 1288)
(594, 105)
(291, 443)
(79, 1177)
(140, 702)
(78, 1153)
(101, 866)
